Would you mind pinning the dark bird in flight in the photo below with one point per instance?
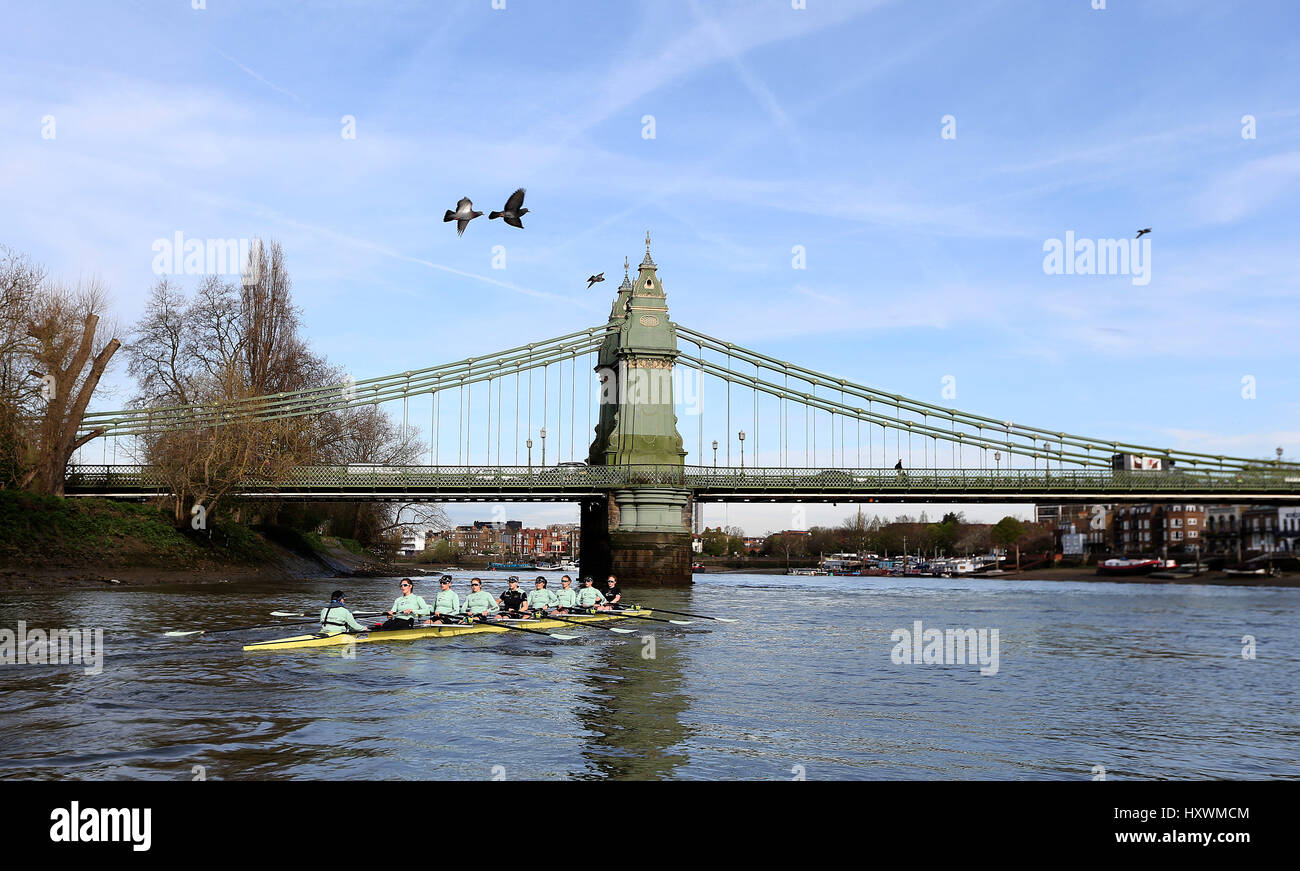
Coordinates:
(513, 210)
(1142, 233)
(595, 278)
(462, 216)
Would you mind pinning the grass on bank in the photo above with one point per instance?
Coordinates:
(47, 530)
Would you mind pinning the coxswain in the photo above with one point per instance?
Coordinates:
(407, 608)
(511, 602)
(446, 605)
(335, 618)
(589, 597)
(565, 597)
(541, 599)
(479, 605)
(612, 595)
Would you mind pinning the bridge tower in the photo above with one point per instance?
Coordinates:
(641, 533)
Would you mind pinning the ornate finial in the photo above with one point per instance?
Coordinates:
(626, 265)
(647, 260)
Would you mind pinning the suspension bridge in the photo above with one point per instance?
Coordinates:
(616, 443)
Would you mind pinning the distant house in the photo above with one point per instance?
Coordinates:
(413, 542)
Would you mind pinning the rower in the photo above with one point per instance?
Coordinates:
(446, 605)
(335, 618)
(406, 608)
(479, 605)
(541, 599)
(612, 595)
(589, 597)
(565, 597)
(512, 600)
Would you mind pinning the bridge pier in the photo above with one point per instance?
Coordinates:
(642, 536)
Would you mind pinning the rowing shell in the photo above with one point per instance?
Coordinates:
(442, 631)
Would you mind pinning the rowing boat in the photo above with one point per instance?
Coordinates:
(318, 639)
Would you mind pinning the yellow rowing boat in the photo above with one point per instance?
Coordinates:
(443, 631)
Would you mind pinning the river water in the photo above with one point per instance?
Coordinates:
(1147, 681)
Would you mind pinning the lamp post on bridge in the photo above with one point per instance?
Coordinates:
(742, 452)
(529, 443)
(997, 459)
(543, 447)
(715, 455)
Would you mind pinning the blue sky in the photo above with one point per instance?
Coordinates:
(774, 127)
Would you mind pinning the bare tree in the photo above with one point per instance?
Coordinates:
(66, 355)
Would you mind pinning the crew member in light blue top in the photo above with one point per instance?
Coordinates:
(407, 608)
(446, 605)
(565, 597)
(478, 604)
(541, 599)
(335, 618)
(589, 597)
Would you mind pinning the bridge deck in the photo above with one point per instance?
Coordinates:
(523, 483)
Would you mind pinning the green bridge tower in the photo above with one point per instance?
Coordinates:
(640, 533)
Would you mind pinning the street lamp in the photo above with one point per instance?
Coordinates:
(530, 455)
(742, 452)
(715, 455)
(543, 446)
(997, 458)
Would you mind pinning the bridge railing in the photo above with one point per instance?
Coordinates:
(363, 479)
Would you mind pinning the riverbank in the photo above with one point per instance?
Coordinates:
(48, 542)
(1089, 573)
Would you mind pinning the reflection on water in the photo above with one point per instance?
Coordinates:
(1147, 680)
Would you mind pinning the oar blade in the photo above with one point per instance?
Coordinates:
(176, 634)
(725, 620)
(620, 631)
(562, 637)
(683, 622)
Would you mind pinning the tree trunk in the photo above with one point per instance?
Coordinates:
(61, 419)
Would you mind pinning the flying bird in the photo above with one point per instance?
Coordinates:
(1142, 233)
(462, 216)
(513, 210)
(595, 278)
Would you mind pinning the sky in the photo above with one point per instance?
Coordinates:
(916, 159)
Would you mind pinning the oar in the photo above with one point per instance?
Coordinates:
(558, 635)
(354, 614)
(636, 617)
(178, 634)
(701, 616)
(593, 625)
(651, 619)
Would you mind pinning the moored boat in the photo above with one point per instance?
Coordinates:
(343, 639)
(1130, 566)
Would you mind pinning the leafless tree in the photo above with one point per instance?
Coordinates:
(53, 353)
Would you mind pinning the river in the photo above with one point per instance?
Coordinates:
(1146, 681)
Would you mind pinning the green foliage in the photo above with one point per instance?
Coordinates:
(48, 530)
(1007, 531)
